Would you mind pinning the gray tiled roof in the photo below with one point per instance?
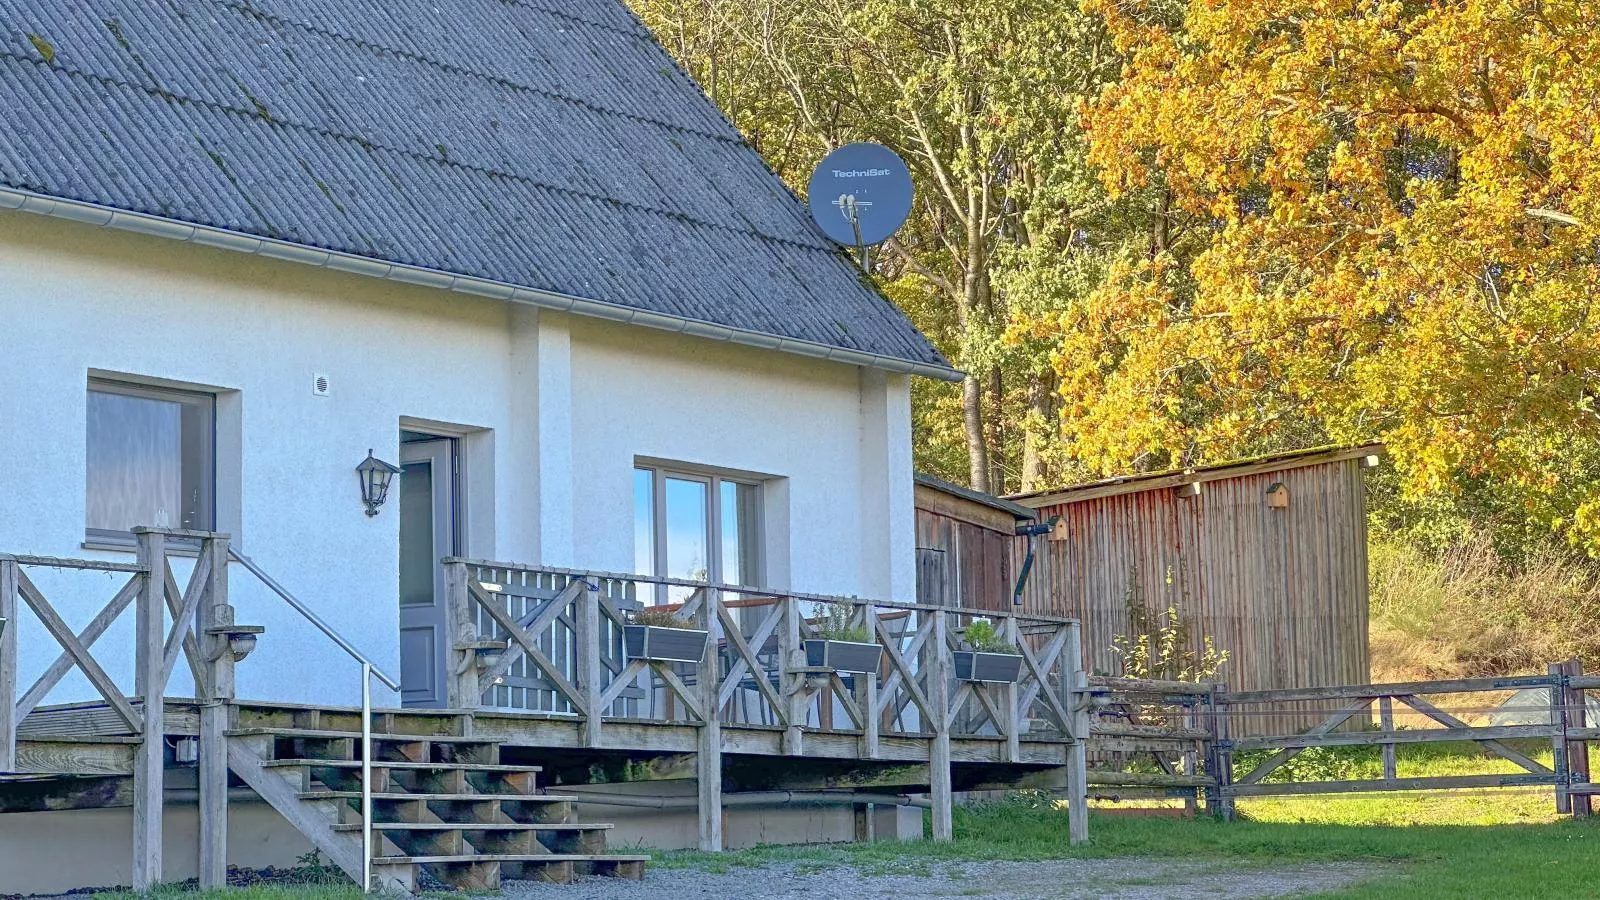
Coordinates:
(547, 144)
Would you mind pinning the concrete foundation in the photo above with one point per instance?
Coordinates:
(54, 852)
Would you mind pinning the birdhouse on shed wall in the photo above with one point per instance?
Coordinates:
(1278, 496)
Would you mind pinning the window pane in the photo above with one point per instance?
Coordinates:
(738, 523)
(644, 522)
(417, 553)
(149, 459)
(687, 540)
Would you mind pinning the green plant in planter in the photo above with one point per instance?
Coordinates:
(657, 617)
(836, 622)
(982, 637)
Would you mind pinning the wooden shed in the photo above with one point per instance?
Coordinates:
(1267, 556)
(966, 546)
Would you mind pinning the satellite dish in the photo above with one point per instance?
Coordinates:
(860, 195)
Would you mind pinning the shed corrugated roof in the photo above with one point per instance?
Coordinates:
(1132, 484)
(1017, 510)
(550, 145)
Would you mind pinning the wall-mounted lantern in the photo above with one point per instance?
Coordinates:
(1278, 496)
(375, 477)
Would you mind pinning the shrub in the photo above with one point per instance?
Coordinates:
(1468, 611)
(982, 637)
(836, 622)
(657, 617)
(1160, 646)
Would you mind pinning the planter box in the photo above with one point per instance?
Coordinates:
(972, 665)
(654, 642)
(844, 656)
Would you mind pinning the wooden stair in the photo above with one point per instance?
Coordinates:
(443, 807)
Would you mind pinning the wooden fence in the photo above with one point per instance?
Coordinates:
(1176, 739)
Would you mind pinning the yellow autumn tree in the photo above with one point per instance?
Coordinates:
(1394, 214)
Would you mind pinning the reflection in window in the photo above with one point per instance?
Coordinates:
(740, 559)
(695, 527)
(149, 459)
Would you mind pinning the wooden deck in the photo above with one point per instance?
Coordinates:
(541, 666)
(78, 741)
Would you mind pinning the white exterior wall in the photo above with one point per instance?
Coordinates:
(552, 409)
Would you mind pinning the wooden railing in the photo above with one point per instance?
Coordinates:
(551, 640)
(201, 632)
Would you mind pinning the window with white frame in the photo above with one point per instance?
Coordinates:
(697, 526)
(151, 459)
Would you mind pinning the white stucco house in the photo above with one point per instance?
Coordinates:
(508, 247)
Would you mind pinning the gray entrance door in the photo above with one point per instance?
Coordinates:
(427, 535)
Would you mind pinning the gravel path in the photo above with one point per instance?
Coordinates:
(1131, 879)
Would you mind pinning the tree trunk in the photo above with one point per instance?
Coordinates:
(997, 431)
(1041, 428)
(977, 448)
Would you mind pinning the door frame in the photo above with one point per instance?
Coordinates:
(437, 450)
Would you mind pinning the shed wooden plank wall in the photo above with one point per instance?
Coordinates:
(1284, 590)
(964, 553)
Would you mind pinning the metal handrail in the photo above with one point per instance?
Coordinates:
(367, 671)
(312, 617)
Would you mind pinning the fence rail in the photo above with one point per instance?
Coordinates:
(1148, 735)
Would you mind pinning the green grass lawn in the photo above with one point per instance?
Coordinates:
(1502, 844)
(1505, 862)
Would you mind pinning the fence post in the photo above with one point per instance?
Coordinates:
(8, 665)
(709, 764)
(1075, 682)
(939, 785)
(1190, 760)
(1578, 751)
(149, 760)
(214, 611)
(1221, 752)
(1558, 742)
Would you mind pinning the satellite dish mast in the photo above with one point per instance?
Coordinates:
(860, 195)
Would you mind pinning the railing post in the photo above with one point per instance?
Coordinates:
(790, 684)
(149, 760)
(1075, 682)
(591, 644)
(1013, 724)
(8, 666)
(709, 764)
(939, 754)
(214, 612)
(461, 685)
(366, 777)
(866, 693)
